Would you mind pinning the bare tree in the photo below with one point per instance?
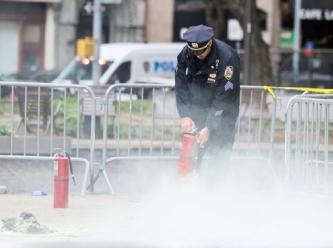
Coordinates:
(260, 66)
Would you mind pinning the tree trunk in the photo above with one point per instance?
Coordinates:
(260, 66)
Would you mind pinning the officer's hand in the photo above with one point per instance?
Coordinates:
(203, 136)
(187, 125)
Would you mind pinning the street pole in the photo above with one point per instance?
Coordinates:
(247, 42)
(297, 39)
(97, 23)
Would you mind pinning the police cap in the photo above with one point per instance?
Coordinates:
(198, 37)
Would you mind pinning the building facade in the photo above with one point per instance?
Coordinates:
(36, 34)
(42, 34)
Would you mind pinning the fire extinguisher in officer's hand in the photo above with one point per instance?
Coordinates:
(191, 154)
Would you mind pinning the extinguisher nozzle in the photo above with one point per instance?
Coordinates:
(74, 181)
(71, 168)
(200, 154)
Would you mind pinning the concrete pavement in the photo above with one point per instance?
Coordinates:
(250, 207)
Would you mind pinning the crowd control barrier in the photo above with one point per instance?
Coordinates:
(99, 125)
(308, 143)
(39, 119)
(148, 127)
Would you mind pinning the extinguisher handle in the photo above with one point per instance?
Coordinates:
(200, 154)
(70, 167)
(193, 133)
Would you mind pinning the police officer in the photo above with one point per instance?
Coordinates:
(207, 89)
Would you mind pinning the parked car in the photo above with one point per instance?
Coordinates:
(43, 76)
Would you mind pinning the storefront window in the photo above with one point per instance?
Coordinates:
(32, 34)
(30, 62)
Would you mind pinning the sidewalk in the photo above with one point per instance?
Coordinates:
(182, 219)
(248, 209)
(92, 218)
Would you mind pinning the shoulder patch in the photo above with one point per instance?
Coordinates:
(228, 86)
(228, 72)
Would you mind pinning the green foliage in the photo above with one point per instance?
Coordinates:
(71, 115)
(136, 107)
(123, 132)
(140, 111)
(5, 130)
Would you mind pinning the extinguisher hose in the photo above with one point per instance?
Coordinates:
(200, 154)
(70, 167)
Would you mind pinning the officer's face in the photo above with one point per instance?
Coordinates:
(204, 53)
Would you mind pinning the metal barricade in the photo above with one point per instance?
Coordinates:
(148, 128)
(256, 124)
(142, 128)
(308, 146)
(139, 121)
(40, 118)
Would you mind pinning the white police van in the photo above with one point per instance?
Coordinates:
(126, 63)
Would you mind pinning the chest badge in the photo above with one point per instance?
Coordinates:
(211, 78)
(228, 72)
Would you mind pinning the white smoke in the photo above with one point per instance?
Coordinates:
(249, 207)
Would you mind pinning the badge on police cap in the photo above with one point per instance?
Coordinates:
(228, 72)
(194, 45)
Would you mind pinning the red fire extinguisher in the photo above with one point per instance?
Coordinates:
(187, 154)
(62, 167)
(191, 154)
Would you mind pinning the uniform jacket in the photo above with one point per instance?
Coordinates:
(208, 91)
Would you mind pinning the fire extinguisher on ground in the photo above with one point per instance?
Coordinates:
(62, 168)
(190, 154)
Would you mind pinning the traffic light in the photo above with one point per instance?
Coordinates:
(85, 47)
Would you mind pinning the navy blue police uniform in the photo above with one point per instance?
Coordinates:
(207, 90)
